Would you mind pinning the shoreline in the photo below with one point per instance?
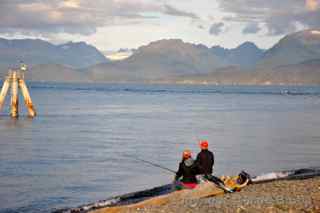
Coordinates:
(177, 83)
(275, 196)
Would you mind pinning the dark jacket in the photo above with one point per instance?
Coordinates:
(205, 162)
(188, 171)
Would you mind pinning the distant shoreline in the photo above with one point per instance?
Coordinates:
(164, 83)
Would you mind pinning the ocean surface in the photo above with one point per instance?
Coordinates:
(77, 149)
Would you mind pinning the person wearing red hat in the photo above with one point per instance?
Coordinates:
(187, 170)
(205, 162)
(205, 159)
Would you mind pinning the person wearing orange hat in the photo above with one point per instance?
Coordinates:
(187, 170)
(205, 159)
(205, 162)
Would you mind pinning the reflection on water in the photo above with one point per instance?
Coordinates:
(7, 124)
(74, 151)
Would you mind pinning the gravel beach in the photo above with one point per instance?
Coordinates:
(277, 196)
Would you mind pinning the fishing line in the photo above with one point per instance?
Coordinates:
(151, 163)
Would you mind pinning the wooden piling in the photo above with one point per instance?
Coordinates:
(15, 80)
(14, 112)
(27, 98)
(4, 91)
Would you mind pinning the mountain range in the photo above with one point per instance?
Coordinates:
(295, 59)
(35, 51)
(293, 49)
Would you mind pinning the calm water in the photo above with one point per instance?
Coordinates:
(74, 151)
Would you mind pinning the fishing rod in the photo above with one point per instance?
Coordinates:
(217, 181)
(151, 163)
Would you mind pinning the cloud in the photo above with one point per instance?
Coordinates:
(169, 10)
(48, 16)
(216, 28)
(78, 16)
(251, 28)
(279, 17)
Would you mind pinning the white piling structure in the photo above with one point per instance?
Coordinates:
(15, 79)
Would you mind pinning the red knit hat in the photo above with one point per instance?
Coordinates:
(204, 144)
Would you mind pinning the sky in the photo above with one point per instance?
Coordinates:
(115, 24)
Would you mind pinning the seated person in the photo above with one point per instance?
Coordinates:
(188, 170)
(205, 159)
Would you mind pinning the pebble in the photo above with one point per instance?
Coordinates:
(279, 197)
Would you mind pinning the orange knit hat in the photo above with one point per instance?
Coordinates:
(186, 154)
